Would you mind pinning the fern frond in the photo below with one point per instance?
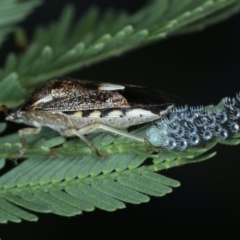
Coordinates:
(63, 48)
(216, 17)
(67, 186)
(12, 12)
(64, 177)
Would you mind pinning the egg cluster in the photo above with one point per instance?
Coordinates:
(195, 126)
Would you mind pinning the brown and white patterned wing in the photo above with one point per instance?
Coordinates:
(63, 94)
(65, 90)
(93, 99)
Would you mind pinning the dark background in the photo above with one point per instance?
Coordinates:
(200, 68)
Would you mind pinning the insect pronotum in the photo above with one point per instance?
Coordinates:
(78, 107)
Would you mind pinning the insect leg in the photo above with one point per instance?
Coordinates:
(75, 132)
(21, 134)
(99, 126)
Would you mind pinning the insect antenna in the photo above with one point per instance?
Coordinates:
(4, 108)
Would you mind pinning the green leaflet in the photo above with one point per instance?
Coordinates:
(11, 87)
(12, 12)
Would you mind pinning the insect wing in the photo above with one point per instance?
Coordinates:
(76, 95)
(130, 97)
(66, 91)
(92, 99)
(138, 96)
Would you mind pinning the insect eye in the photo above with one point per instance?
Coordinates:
(18, 114)
(14, 115)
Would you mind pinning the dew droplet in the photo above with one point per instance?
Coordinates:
(223, 134)
(195, 140)
(212, 121)
(207, 135)
(174, 127)
(234, 127)
(217, 129)
(222, 117)
(183, 144)
(172, 143)
(155, 139)
(181, 132)
(235, 114)
(190, 117)
(165, 141)
(192, 130)
(202, 122)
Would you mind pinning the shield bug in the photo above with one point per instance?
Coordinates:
(78, 107)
